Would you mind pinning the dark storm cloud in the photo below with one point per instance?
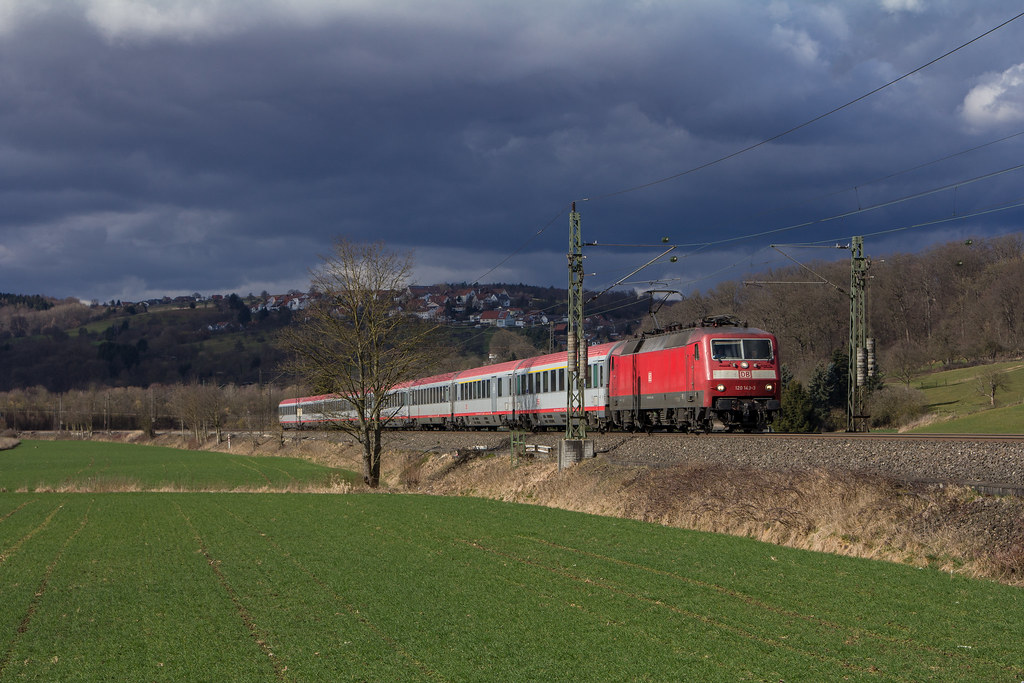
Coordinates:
(150, 147)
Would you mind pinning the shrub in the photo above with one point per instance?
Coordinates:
(797, 414)
(895, 406)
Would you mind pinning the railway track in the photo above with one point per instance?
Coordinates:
(989, 463)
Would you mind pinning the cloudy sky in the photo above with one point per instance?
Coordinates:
(152, 147)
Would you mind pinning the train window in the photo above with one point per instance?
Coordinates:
(757, 349)
(545, 380)
(741, 349)
(726, 349)
(696, 351)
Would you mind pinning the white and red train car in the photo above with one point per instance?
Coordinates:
(717, 375)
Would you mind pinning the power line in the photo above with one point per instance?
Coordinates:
(537, 234)
(1006, 206)
(847, 214)
(781, 135)
(882, 178)
(805, 123)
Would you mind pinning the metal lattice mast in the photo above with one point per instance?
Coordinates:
(576, 417)
(858, 335)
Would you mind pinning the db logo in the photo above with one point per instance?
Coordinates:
(746, 374)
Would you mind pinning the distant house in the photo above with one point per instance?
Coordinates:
(536, 318)
(488, 299)
(296, 302)
(499, 318)
(463, 298)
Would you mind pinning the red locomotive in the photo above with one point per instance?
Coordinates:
(718, 375)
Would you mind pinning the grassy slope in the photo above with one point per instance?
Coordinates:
(953, 397)
(371, 587)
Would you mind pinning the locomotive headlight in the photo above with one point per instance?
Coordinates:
(769, 386)
(744, 364)
(720, 387)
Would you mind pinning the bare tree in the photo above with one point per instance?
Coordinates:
(990, 380)
(905, 362)
(354, 344)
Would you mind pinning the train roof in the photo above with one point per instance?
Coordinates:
(561, 358)
(676, 336)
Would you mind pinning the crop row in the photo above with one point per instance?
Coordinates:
(186, 586)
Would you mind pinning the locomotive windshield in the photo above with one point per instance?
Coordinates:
(741, 349)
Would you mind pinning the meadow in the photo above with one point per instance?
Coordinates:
(299, 586)
(957, 401)
(95, 466)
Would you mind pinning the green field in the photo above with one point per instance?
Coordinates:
(97, 466)
(953, 396)
(257, 586)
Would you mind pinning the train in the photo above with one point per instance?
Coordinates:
(715, 375)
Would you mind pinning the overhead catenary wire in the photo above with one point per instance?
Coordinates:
(860, 185)
(846, 214)
(817, 118)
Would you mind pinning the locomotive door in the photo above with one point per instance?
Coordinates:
(692, 357)
(636, 391)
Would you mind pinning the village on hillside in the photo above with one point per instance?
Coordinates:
(443, 304)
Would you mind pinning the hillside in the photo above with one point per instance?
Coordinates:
(66, 345)
(958, 401)
(72, 346)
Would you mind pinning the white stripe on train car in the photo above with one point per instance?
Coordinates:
(749, 374)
